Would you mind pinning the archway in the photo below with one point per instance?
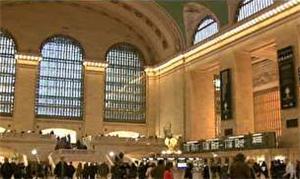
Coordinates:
(61, 132)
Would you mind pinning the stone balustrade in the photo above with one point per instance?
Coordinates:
(123, 141)
(11, 136)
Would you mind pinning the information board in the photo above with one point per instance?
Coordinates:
(241, 142)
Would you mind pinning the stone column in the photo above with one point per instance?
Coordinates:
(242, 93)
(25, 94)
(152, 104)
(200, 117)
(94, 87)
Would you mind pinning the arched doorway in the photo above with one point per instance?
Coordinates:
(61, 132)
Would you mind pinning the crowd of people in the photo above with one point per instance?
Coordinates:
(65, 143)
(83, 171)
(240, 168)
(119, 170)
(250, 169)
(20, 171)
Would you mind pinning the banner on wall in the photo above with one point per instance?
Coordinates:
(287, 83)
(226, 107)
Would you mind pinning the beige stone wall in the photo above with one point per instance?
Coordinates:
(200, 123)
(94, 102)
(171, 102)
(290, 136)
(24, 111)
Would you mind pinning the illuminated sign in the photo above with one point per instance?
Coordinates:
(250, 141)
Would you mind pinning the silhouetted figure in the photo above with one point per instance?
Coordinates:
(92, 170)
(28, 171)
(103, 170)
(205, 172)
(70, 170)
(168, 174)
(188, 171)
(298, 169)
(79, 171)
(264, 169)
(158, 171)
(133, 171)
(224, 171)
(85, 172)
(239, 169)
(6, 169)
(61, 169)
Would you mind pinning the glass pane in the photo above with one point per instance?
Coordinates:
(7, 73)
(60, 79)
(250, 7)
(207, 28)
(125, 85)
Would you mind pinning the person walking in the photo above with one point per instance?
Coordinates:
(239, 169)
(149, 171)
(289, 170)
(264, 169)
(158, 171)
(70, 170)
(206, 172)
(103, 170)
(298, 169)
(61, 169)
(168, 174)
(188, 171)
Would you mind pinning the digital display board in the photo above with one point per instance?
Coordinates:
(250, 141)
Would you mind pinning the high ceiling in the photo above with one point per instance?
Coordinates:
(156, 28)
(175, 9)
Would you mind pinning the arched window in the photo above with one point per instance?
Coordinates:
(207, 28)
(7, 73)
(250, 7)
(60, 86)
(125, 85)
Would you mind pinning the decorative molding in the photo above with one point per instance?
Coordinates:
(28, 59)
(95, 66)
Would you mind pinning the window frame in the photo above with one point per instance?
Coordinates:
(11, 37)
(197, 30)
(69, 118)
(144, 87)
(242, 4)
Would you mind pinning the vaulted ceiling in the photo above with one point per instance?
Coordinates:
(155, 27)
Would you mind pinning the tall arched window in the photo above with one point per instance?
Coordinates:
(7, 73)
(60, 86)
(206, 28)
(250, 7)
(125, 85)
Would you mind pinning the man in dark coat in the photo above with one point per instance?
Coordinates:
(103, 170)
(158, 171)
(70, 170)
(239, 169)
(61, 169)
(6, 169)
